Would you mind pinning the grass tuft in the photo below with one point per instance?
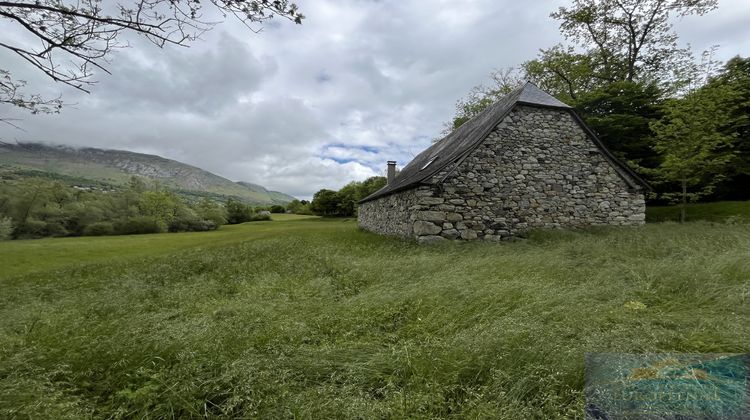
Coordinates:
(314, 318)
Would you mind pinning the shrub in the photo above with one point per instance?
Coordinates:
(31, 228)
(303, 209)
(6, 228)
(259, 217)
(54, 228)
(183, 220)
(299, 207)
(139, 224)
(195, 225)
(203, 225)
(161, 205)
(238, 212)
(278, 209)
(99, 229)
(209, 210)
(40, 208)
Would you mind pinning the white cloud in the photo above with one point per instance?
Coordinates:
(299, 108)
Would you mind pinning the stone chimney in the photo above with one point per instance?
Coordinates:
(391, 171)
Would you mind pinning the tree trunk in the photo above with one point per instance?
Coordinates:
(683, 207)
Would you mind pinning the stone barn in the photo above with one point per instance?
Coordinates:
(526, 162)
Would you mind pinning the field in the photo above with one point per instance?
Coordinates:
(313, 318)
(20, 257)
(722, 212)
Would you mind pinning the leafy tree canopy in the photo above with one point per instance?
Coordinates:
(610, 41)
(37, 207)
(343, 203)
(618, 40)
(703, 138)
(620, 114)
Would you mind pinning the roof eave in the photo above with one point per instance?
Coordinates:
(617, 162)
(380, 194)
(536, 105)
(377, 194)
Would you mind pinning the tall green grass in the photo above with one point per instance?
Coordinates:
(320, 320)
(723, 211)
(24, 256)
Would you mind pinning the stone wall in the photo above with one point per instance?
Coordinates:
(392, 214)
(537, 169)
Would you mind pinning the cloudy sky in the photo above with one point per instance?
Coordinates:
(299, 108)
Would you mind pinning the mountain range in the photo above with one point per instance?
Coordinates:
(99, 168)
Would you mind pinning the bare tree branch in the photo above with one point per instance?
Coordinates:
(77, 36)
(630, 39)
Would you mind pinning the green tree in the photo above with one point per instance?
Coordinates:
(695, 152)
(39, 207)
(238, 212)
(370, 186)
(628, 40)
(344, 201)
(620, 114)
(622, 58)
(563, 72)
(212, 211)
(347, 198)
(28, 200)
(325, 203)
(6, 228)
(299, 207)
(161, 205)
(611, 41)
(84, 211)
(480, 97)
(735, 77)
(294, 206)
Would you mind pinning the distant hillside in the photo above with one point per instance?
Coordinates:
(276, 196)
(115, 168)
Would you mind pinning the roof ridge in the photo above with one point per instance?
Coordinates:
(453, 146)
(532, 94)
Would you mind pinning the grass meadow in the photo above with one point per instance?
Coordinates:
(312, 318)
(722, 212)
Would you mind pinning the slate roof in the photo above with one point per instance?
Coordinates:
(465, 138)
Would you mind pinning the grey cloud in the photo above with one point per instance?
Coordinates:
(204, 79)
(299, 108)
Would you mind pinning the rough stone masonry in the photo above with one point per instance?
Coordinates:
(538, 168)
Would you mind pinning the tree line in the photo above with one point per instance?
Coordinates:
(38, 207)
(35, 207)
(343, 203)
(681, 122)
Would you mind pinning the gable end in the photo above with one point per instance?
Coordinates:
(453, 149)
